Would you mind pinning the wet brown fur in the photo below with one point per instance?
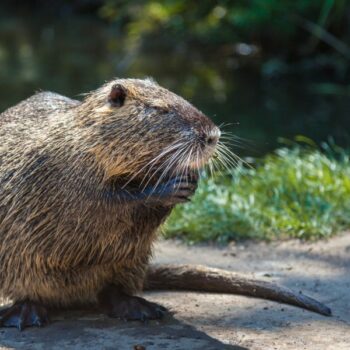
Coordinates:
(61, 242)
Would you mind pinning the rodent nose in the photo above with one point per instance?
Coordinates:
(212, 137)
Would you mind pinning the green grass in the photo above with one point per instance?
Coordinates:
(298, 192)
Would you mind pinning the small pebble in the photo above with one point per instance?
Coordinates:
(139, 347)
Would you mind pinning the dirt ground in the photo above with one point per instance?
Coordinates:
(208, 321)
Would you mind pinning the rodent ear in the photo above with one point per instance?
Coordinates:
(117, 95)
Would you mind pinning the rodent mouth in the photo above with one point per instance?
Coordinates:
(177, 159)
(202, 160)
(199, 157)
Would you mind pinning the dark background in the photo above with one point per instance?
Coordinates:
(265, 68)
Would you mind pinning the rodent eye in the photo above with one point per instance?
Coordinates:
(117, 95)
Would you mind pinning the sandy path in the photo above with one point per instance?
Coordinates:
(204, 321)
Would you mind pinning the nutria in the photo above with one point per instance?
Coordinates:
(84, 188)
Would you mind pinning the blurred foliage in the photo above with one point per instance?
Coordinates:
(275, 37)
(38, 53)
(275, 25)
(297, 192)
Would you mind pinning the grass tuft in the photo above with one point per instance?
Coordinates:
(299, 192)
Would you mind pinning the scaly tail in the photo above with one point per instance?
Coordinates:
(205, 279)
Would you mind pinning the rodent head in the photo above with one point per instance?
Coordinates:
(138, 127)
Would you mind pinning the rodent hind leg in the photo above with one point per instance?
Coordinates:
(24, 314)
(120, 305)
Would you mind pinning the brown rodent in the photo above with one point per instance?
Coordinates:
(84, 187)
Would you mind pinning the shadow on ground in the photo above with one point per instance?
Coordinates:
(217, 321)
(87, 330)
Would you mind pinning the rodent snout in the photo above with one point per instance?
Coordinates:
(208, 139)
(212, 137)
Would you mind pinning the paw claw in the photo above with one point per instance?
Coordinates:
(24, 314)
(130, 308)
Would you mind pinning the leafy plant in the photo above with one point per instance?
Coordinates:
(299, 192)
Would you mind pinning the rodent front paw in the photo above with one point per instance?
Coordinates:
(176, 190)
